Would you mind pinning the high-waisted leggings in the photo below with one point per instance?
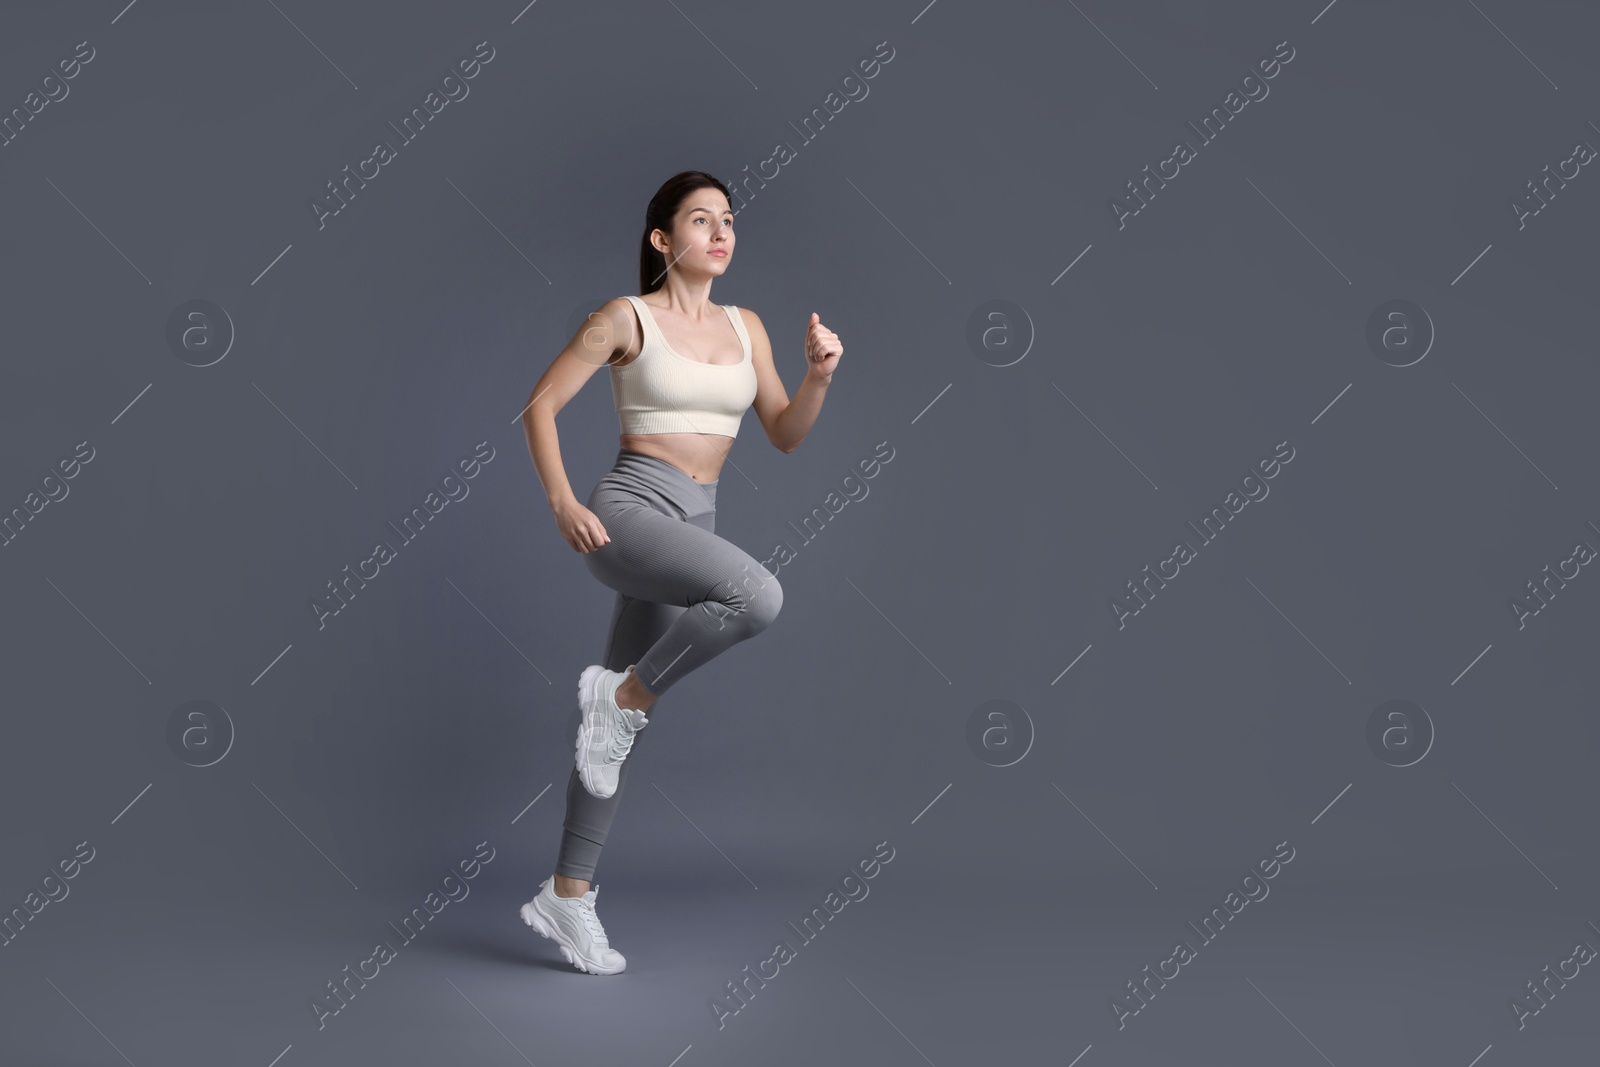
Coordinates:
(684, 596)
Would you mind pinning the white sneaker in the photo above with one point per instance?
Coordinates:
(572, 924)
(606, 732)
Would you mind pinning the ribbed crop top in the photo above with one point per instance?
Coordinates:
(661, 391)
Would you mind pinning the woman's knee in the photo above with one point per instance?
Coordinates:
(751, 600)
(767, 600)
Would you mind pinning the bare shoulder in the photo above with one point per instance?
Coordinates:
(752, 321)
(618, 311)
(614, 326)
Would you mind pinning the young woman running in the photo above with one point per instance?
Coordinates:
(683, 372)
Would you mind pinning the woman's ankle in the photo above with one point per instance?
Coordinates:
(569, 887)
(632, 694)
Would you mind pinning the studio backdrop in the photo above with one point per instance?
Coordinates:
(1187, 652)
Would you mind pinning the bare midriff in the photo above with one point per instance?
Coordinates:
(699, 455)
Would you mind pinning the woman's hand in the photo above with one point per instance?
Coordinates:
(581, 527)
(823, 349)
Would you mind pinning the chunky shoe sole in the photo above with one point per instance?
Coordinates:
(544, 928)
(588, 694)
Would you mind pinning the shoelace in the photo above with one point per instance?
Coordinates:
(592, 921)
(621, 742)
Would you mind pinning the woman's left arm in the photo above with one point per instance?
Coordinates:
(788, 421)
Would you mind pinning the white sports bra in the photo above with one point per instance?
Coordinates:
(664, 392)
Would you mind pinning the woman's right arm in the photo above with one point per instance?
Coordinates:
(602, 337)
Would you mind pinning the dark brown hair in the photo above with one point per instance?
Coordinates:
(658, 215)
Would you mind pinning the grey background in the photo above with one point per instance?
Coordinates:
(1229, 715)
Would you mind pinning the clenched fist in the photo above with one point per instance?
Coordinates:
(823, 349)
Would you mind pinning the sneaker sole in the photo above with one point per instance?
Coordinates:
(588, 692)
(544, 928)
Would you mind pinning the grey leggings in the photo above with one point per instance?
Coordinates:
(684, 596)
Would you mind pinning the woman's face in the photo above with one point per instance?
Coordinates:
(702, 234)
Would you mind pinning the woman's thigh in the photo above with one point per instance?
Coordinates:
(652, 556)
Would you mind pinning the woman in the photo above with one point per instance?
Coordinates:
(683, 371)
